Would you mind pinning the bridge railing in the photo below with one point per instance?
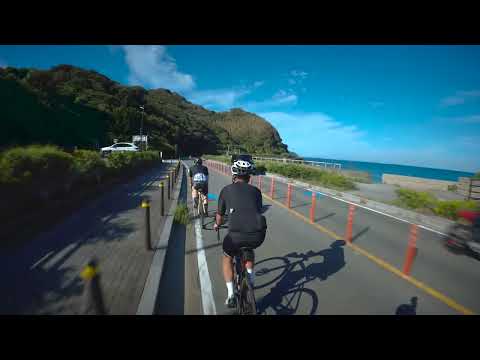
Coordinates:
(326, 165)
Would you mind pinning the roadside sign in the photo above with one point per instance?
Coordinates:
(140, 138)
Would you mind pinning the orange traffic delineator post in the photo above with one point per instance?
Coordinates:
(272, 188)
(312, 208)
(411, 250)
(348, 232)
(289, 196)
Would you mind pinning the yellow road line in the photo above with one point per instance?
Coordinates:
(436, 294)
(383, 264)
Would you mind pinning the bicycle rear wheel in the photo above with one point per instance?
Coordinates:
(246, 301)
(251, 299)
(201, 210)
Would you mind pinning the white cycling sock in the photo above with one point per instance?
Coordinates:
(251, 275)
(230, 289)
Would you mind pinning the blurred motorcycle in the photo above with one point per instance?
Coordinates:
(464, 235)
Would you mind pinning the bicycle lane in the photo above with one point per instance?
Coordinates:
(300, 270)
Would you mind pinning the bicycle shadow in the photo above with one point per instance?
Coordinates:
(289, 295)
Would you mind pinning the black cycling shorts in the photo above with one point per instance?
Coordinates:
(234, 241)
(203, 186)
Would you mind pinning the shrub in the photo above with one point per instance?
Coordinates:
(118, 161)
(89, 165)
(450, 208)
(37, 170)
(416, 199)
(476, 176)
(181, 214)
(452, 187)
(326, 178)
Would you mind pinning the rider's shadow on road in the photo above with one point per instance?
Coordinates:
(333, 261)
(289, 295)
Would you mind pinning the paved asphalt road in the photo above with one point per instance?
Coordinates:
(301, 270)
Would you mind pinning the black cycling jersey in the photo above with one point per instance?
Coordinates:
(195, 169)
(242, 203)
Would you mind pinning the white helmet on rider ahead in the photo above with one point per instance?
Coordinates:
(242, 167)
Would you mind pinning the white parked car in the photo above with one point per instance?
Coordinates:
(119, 147)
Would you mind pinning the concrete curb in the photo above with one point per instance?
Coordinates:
(150, 294)
(434, 223)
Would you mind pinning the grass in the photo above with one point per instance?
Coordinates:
(321, 177)
(428, 204)
(182, 215)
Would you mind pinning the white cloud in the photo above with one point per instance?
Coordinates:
(150, 65)
(218, 98)
(298, 77)
(298, 73)
(315, 133)
(460, 98)
(222, 99)
(280, 98)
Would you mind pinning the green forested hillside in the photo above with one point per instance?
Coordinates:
(69, 106)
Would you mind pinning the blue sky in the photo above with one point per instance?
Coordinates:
(412, 105)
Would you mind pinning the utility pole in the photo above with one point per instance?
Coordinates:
(141, 128)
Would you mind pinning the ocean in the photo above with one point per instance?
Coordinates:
(376, 170)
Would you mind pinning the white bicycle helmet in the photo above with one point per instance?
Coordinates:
(241, 167)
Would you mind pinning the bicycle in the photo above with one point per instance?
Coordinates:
(201, 209)
(244, 293)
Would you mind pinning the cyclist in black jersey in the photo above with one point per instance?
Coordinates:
(199, 180)
(247, 227)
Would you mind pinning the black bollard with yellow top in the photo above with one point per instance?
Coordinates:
(162, 199)
(92, 294)
(146, 206)
(168, 187)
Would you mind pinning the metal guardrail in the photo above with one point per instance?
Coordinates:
(323, 164)
(469, 188)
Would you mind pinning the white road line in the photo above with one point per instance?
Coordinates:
(53, 261)
(41, 259)
(208, 302)
(376, 211)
